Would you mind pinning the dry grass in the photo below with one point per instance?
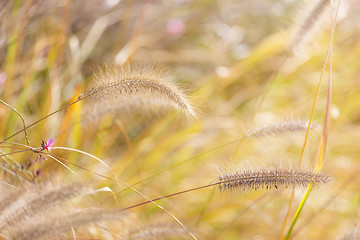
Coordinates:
(38, 212)
(64, 64)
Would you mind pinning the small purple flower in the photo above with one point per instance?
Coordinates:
(47, 145)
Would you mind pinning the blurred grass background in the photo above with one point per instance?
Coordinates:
(225, 53)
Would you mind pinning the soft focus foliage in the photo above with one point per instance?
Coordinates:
(237, 64)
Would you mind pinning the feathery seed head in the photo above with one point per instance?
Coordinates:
(136, 85)
(270, 178)
(281, 127)
(54, 223)
(157, 231)
(36, 212)
(30, 201)
(309, 24)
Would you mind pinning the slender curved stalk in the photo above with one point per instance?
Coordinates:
(298, 211)
(323, 141)
(43, 118)
(22, 119)
(148, 199)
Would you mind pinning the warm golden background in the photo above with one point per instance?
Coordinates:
(233, 60)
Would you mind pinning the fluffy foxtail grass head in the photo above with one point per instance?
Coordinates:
(136, 86)
(46, 226)
(270, 178)
(157, 232)
(38, 212)
(281, 127)
(309, 24)
(17, 204)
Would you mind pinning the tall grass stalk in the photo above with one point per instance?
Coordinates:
(258, 179)
(323, 140)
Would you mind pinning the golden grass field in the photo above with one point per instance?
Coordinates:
(179, 119)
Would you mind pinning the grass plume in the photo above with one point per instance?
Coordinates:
(136, 85)
(281, 127)
(18, 204)
(268, 179)
(115, 124)
(37, 213)
(157, 231)
(309, 24)
(256, 180)
(35, 199)
(125, 88)
(55, 222)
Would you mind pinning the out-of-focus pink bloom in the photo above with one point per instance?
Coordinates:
(2, 78)
(175, 26)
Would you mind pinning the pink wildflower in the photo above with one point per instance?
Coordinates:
(47, 145)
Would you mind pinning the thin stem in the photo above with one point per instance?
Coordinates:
(34, 123)
(22, 119)
(259, 179)
(187, 160)
(287, 214)
(148, 199)
(297, 214)
(57, 160)
(323, 141)
(11, 147)
(7, 154)
(17, 144)
(171, 195)
(89, 155)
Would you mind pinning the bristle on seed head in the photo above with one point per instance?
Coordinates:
(268, 179)
(136, 85)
